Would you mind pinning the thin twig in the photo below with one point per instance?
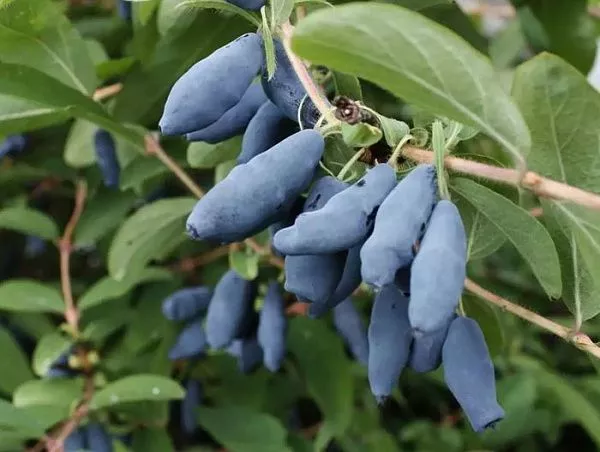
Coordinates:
(578, 339)
(191, 263)
(541, 186)
(107, 91)
(65, 248)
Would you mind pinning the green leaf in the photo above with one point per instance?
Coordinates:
(487, 318)
(563, 113)
(136, 388)
(243, 430)
(483, 237)
(48, 350)
(223, 169)
(527, 234)
(23, 295)
(108, 288)
(37, 29)
(268, 44)
(152, 440)
(60, 392)
(30, 84)
(17, 369)
(569, 29)
(206, 155)
(29, 221)
(508, 45)
(145, 234)
(323, 362)
(144, 168)
(171, 17)
(19, 115)
(347, 85)
(15, 420)
(245, 262)
(102, 215)
(222, 5)
(393, 130)
(79, 148)
(417, 60)
(337, 153)
(360, 135)
(281, 11)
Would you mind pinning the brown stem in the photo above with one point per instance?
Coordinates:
(539, 185)
(191, 263)
(107, 91)
(579, 339)
(65, 247)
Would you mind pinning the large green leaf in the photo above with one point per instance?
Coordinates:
(135, 388)
(108, 289)
(322, 360)
(146, 233)
(563, 114)
(524, 231)
(35, 33)
(48, 349)
(30, 84)
(152, 440)
(18, 370)
(59, 392)
(28, 221)
(568, 29)
(243, 430)
(23, 295)
(18, 115)
(13, 419)
(417, 60)
(79, 148)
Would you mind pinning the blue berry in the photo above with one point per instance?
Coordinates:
(106, 157)
(228, 309)
(286, 91)
(252, 5)
(399, 223)
(98, 439)
(185, 304)
(248, 353)
(426, 352)
(235, 120)
(189, 405)
(268, 127)
(124, 8)
(390, 339)
(272, 328)
(344, 221)
(12, 144)
(257, 193)
(190, 343)
(75, 442)
(439, 269)
(348, 323)
(469, 373)
(212, 86)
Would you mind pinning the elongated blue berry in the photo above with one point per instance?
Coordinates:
(185, 304)
(399, 223)
(97, 438)
(235, 120)
(272, 328)
(469, 373)
(191, 342)
(34, 246)
(390, 338)
(60, 367)
(124, 9)
(287, 221)
(314, 277)
(257, 193)
(228, 308)
(268, 127)
(349, 282)
(348, 323)
(212, 86)
(286, 91)
(249, 353)
(12, 144)
(75, 442)
(344, 221)
(426, 352)
(439, 269)
(252, 5)
(189, 405)
(106, 157)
